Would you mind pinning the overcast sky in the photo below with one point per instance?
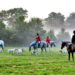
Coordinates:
(40, 8)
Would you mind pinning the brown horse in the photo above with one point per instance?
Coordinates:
(70, 49)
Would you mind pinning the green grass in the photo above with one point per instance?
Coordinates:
(54, 63)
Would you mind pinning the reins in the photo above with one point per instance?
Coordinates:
(67, 44)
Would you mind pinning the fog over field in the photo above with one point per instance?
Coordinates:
(56, 30)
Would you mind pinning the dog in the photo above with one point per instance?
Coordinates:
(34, 53)
(63, 52)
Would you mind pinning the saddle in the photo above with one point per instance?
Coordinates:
(70, 47)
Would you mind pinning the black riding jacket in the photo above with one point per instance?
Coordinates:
(73, 39)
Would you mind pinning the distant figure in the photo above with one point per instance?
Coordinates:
(48, 43)
(47, 40)
(38, 40)
(73, 37)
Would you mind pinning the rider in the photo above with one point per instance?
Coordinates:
(38, 39)
(73, 37)
(48, 40)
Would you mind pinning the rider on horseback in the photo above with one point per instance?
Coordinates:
(73, 38)
(72, 41)
(38, 39)
(47, 40)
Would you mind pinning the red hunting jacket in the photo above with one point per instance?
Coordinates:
(47, 40)
(38, 38)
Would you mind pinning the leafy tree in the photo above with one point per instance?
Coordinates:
(2, 30)
(9, 36)
(36, 23)
(20, 26)
(5, 35)
(2, 25)
(11, 14)
(63, 35)
(55, 19)
(52, 35)
(70, 21)
(26, 32)
(36, 26)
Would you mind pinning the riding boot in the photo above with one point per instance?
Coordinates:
(38, 45)
(47, 44)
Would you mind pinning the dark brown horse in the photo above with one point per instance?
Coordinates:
(70, 49)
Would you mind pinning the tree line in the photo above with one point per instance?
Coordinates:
(16, 31)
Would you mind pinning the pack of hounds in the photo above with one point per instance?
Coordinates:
(20, 51)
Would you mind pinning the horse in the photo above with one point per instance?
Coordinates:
(2, 44)
(70, 48)
(35, 46)
(50, 44)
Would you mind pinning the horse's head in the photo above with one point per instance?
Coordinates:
(64, 44)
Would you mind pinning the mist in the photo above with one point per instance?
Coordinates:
(18, 31)
(47, 28)
(57, 30)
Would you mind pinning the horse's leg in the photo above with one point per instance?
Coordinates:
(73, 56)
(2, 47)
(45, 51)
(13, 52)
(49, 45)
(50, 49)
(41, 50)
(69, 56)
(34, 48)
(54, 44)
(37, 50)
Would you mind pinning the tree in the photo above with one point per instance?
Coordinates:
(70, 21)
(63, 35)
(20, 24)
(35, 26)
(55, 19)
(36, 23)
(2, 25)
(52, 35)
(11, 14)
(2, 30)
(21, 30)
(26, 31)
(9, 36)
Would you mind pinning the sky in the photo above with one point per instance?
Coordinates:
(40, 8)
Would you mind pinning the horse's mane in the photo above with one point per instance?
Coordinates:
(66, 41)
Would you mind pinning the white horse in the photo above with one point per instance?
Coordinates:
(50, 44)
(2, 44)
(35, 46)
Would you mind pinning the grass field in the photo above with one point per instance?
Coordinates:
(54, 63)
